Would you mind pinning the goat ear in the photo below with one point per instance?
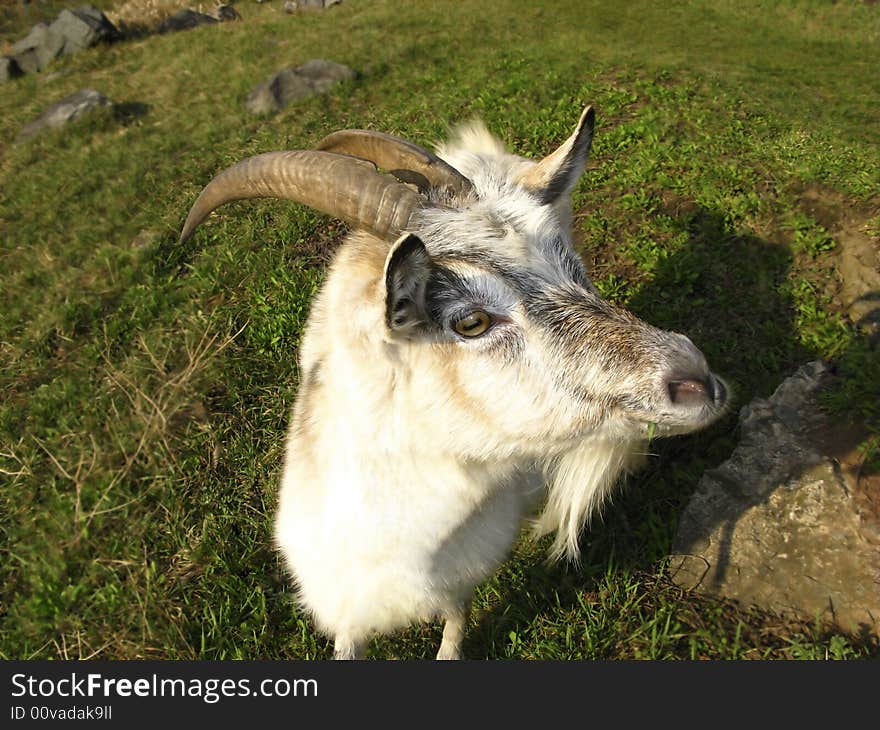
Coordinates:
(558, 173)
(407, 270)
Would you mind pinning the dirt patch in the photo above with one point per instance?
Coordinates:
(857, 254)
(678, 206)
(856, 264)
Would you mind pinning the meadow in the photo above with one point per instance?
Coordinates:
(145, 386)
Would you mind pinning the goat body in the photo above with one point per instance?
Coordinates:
(458, 371)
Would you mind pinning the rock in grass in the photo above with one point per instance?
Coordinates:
(309, 4)
(185, 20)
(38, 48)
(313, 77)
(276, 91)
(83, 28)
(27, 61)
(226, 13)
(72, 31)
(790, 522)
(9, 69)
(62, 112)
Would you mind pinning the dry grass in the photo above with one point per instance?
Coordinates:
(144, 15)
(155, 389)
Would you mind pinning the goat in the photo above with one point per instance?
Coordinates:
(458, 369)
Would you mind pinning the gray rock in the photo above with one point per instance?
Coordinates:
(313, 77)
(83, 28)
(311, 4)
(226, 13)
(32, 39)
(100, 23)
(279, 89)
(324, 74)
(780, 524)
(9, 69)
(27, 61)
(71, 107)
(72, 31)
(44, 44)
(185, 20)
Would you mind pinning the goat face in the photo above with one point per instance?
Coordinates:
(497, 316)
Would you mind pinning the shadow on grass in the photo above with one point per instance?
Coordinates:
(126, 112)
(728, 293)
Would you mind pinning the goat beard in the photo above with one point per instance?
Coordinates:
(579, 481)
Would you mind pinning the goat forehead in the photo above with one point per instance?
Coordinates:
(493, 212)
(513, 248)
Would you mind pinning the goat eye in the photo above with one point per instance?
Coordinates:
(475, 324)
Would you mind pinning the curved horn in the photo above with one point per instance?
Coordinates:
(344, 187)
(399, 157)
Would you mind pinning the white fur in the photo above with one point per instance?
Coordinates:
(410, 468)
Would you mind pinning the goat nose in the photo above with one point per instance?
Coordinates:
(718, 391)
(697, 392)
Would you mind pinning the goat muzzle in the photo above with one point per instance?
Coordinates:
(693, 392)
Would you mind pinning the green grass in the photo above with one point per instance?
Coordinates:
(145, 387)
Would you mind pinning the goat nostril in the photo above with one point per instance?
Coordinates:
(710, 387)
(718, 391)
(691, 392)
